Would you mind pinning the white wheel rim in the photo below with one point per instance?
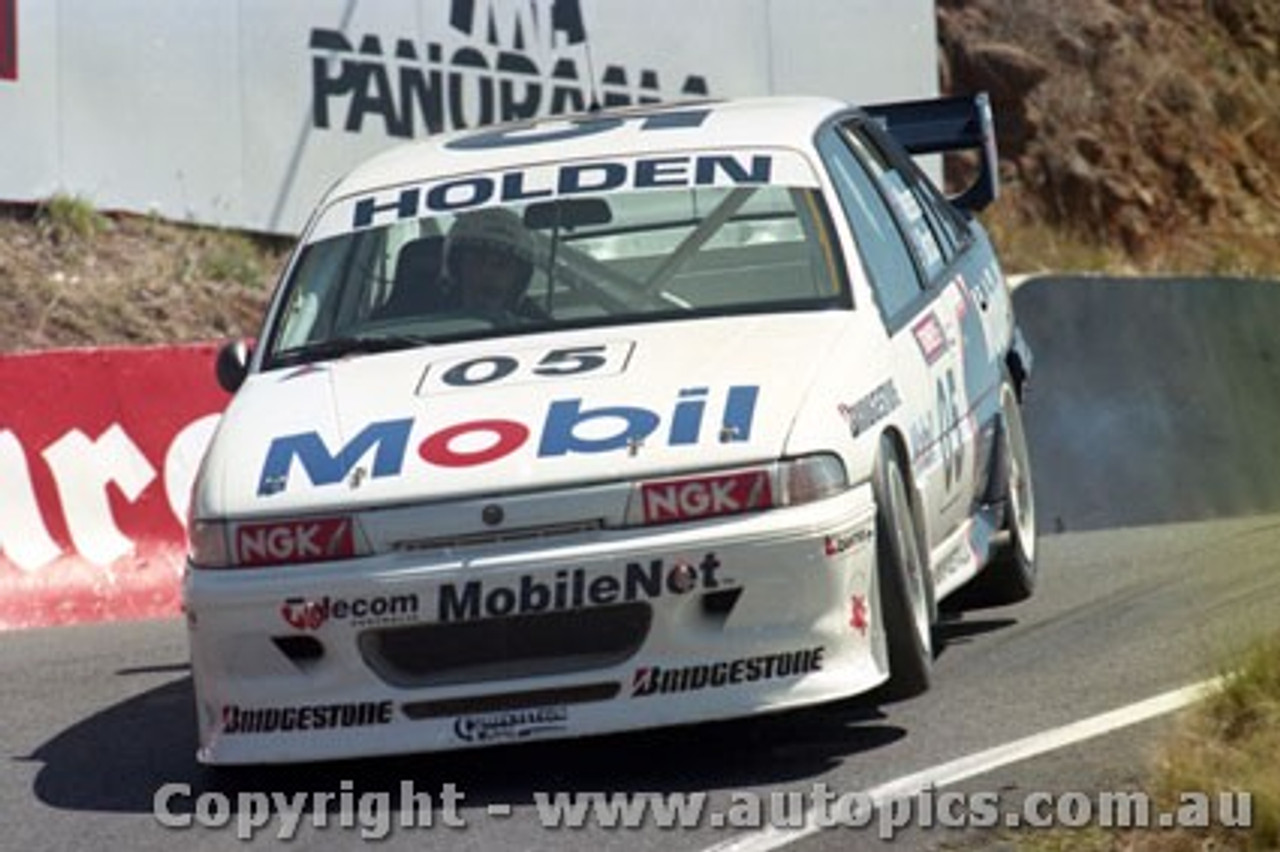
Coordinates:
(1021, 493)
(907, 546)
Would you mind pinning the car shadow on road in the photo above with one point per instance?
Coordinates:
(955, 629)
(117, 759)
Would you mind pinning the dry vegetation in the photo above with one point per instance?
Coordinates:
(1135, 136)
(1230, 743)
(1227, 743)
(71, 276)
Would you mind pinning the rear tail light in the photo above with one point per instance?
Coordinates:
(259, 544)
(790, 482)
(207, 544)
(810, 478)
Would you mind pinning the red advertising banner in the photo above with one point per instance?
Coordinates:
(98, 449)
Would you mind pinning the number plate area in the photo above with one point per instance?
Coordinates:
(525, 366)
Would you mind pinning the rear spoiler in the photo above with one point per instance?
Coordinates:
(938, 125)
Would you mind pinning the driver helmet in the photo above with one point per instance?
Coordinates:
(493, 229)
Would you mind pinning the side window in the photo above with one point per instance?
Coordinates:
(931, 251)
(885, 256)
(951, 224)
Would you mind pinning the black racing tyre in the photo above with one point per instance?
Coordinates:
(905, 587)
(228, 779)
(1011, 575)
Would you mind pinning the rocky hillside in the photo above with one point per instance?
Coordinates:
(1147, 130)
(1135, 135)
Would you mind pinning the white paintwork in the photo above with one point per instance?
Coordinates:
(411, 461)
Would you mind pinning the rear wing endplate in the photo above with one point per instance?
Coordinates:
(939, 125)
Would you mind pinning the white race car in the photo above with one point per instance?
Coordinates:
(610, 422)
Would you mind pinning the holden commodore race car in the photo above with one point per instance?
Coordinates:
(630, 419)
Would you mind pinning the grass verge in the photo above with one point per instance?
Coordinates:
(1227, 744)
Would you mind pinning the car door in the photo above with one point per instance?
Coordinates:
(913, 264)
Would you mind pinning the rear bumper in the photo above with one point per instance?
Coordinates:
(601, 632)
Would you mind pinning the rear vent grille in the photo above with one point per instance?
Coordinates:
(501, 649)
(478, 539)
(584, 694)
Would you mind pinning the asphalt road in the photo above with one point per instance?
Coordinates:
(97, 719)
(1136, 598)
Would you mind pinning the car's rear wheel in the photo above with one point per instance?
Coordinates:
(905, 587)
(1011, 575)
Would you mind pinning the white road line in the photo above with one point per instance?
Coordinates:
(984, 761)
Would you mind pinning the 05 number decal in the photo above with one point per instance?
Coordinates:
(949, 440)
(528, 134)
(480, 371)
(525, 366)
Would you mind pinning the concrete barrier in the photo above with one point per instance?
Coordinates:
(1152, 401)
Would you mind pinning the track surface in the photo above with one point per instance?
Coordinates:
(1137, 596)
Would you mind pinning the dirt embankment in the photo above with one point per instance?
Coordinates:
(70, 276)
(1148, 131)
(1135, 135)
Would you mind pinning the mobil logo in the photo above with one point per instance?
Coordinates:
(569, 427)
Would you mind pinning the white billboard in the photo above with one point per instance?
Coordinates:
(241, 112)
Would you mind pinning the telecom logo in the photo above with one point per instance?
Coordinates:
(306, 614)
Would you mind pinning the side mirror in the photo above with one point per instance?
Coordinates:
(232, 365)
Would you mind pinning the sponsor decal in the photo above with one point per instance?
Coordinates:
(962, 306)
(931, 337)
(655, 680)
(834, 545)
(610, 429)
(304, 614)
(313, 717)
(515, 367)
(8, 39)
(511, 725)
(924, 440)
(858, 614)
(508, 60)
(451, 195)
(515, 135)
(872, 408)
(294, 541)
(576, 589)
(952, 443)
(705, 496)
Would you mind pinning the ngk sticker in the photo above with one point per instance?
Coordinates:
(294, 541)
(705, 496)
(931, 337)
